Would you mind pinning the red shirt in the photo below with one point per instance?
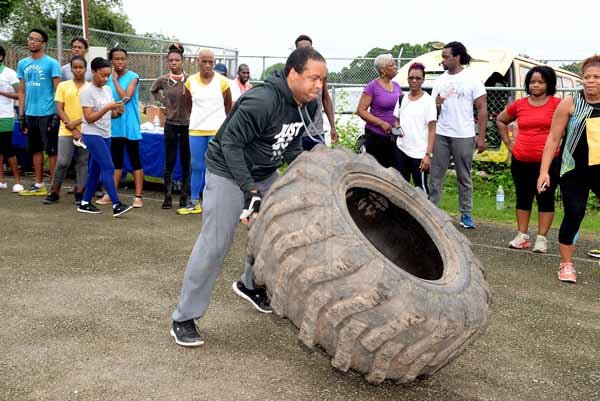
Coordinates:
(534, 127)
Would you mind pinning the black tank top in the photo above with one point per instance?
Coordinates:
(581, 152)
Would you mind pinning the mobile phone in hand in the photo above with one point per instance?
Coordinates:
(126, 99)
(397, 131)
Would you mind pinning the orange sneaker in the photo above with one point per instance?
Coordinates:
(567, 272)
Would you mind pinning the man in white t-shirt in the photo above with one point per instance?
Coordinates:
(455, 92)
(9, 83)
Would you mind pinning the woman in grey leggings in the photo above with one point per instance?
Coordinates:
(69, 110)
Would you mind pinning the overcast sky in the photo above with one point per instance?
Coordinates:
(540, 29)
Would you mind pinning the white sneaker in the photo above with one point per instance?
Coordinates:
(3, 185)
(17, 188)
(521, 241)
(541, 244)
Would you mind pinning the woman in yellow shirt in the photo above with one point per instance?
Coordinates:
(211, 102)
(69, 110)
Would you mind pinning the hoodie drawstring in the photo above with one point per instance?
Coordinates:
(311, 124)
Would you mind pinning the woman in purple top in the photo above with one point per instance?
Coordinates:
(376, 108)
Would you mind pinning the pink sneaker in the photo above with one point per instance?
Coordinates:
(567, 272)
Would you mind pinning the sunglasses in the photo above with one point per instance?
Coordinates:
(415, 78)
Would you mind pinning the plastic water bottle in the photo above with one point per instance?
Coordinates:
(500, 198)
(156, 123)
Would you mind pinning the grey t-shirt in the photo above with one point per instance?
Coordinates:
(96, 98)
(317, 119)
(66, 73)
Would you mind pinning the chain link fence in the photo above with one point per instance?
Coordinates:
(146, 55)
(342, 70)
(346, 80)
(345, 99)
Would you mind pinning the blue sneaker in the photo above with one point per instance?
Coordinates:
(467, 222)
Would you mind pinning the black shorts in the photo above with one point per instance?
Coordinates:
(43, 134)
(525, 176)
(6, 147)
(117, 148)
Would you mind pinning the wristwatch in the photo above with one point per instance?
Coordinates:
(430, 154)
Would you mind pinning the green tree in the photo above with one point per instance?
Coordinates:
(20, 16)
(269, 70)
(361, 70)
(573, 67)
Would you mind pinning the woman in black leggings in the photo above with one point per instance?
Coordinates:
(579, 118)
(169, 89)
(533, 115)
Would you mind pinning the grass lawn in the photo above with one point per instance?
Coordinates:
(484, 206)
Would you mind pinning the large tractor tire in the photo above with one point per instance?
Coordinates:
(367, 268)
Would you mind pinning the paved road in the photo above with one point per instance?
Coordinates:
(85, 304)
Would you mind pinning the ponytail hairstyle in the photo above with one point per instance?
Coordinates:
(175, 48)
(99, 63)
(458, 49)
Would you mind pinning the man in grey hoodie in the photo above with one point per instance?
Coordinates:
(263, 130)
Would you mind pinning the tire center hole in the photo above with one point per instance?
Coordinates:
(395, 233)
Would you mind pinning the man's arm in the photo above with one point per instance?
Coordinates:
(21, 97)
(250, 119)
(328, 107)
(482, 117)
(227, 102)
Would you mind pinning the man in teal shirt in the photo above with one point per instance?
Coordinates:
(39, 75)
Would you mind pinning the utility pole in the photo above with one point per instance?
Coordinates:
(84, 19)
(59, 40)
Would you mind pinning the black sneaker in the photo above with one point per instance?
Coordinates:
(51, 198)
(120, 208)
(186, 334)
(167, 202)
(183, 201)
(258, 297)
(89, 208)
(78, 197)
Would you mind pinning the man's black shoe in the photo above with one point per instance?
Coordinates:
(51, 198)
(183, 201)
(120, 209)
(88, 208)
(167, 202)
(258, 297)
(186, 334)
